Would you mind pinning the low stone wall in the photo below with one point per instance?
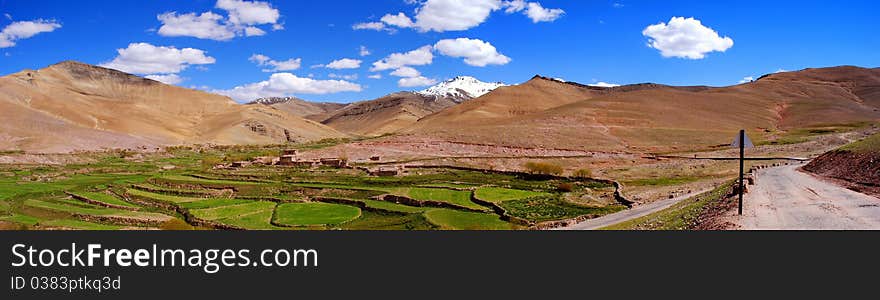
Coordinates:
(173, 192)
(353, 202)
(423, 203)
(502, 212)
(188, 217)
(117, 220)
(99, 203)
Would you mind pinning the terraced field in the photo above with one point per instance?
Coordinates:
(114, 193)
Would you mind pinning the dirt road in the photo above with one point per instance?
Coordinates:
(629, 214)
(787, 199)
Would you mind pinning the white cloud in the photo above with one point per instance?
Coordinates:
(166, 79)
(416, 81)
(514, 6)
(475, 52)
(538, 13)
(243, 16)
(249, 12)
(275, 66)
(375, 76)
(345, 63)
(8, 16)
(747, 79)
(419, 57)
(343, 76)
(286, 84)
(144, 58)
(406, 72)
(453, 15)
(377, 26)
(25, 29)
(364, 51)
(399, 20)
(604, 84)
(205, 26)
(253, 31)
(685, 38)
(458, 15)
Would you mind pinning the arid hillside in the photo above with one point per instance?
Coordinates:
(545, 113)
(388, 114)
(74, 106)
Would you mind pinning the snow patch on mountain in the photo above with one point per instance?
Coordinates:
(461, 88)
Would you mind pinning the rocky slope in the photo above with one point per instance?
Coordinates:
(857, 165)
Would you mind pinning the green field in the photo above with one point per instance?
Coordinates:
(461, 220)
(460, 198)
(105, 198)
(271, 198)
(232, 211)
(498, 195)
(304, 214)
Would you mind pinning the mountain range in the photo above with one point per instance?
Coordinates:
(73, 106)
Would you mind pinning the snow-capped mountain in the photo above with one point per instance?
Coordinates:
(461, 88)
(273, 100)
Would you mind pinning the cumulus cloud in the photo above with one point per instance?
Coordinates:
(604, 84)
(287, 84)
(685, 38)
(538, 13)
(377, 26)
(375, 76)
(249, 12)
(475, 52)
(25, 29)
(242, 19)
(399, 20)
(364, 51)
(144, 58)
(204, 26)
(458, 15)
(419, 57)
(454, 15)
(274, 65)
(166, 79)
(345, 63)
(416, 81)
(406, 72)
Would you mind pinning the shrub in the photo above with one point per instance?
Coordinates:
(565, 187)
(543, 168)
(583, 173)
(211, 161)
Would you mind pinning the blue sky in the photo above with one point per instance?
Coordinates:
(582, 41)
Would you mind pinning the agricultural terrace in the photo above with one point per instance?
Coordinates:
(179, 190)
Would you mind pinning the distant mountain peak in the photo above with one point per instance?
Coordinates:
(274, 100)
(461, 88)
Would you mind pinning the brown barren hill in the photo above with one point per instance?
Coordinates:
(545, 113)
(75, 106)
(387, 114)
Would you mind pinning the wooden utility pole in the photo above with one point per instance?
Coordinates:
(742, 159)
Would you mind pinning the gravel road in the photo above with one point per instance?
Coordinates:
(787, 199)
(629, 214)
